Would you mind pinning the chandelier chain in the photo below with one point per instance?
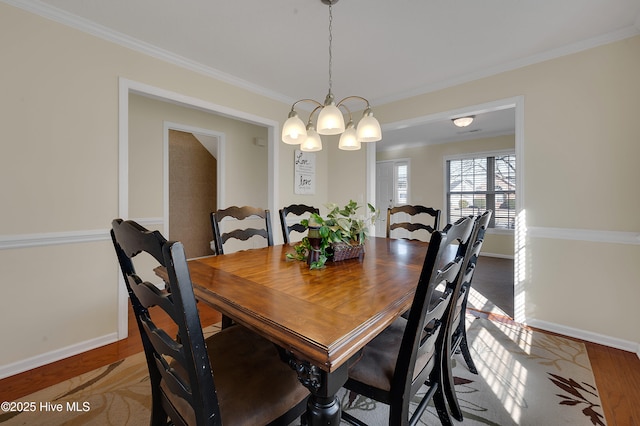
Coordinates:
(330, 116)
(330, 47)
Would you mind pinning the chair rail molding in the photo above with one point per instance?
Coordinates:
(66, 237)
(591, 235)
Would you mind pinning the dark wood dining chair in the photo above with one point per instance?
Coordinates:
(234, 377)
(240, 214)
(296, 210)
(422, 218)
(471, 252)
(410, 353)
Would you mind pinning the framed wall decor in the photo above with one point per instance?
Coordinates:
(304, 180)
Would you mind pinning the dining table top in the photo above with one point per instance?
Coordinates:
(324, 316)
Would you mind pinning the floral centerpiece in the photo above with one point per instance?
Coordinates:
(340, 235)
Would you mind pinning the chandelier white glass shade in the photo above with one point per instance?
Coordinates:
(463, 121)
(312, 141)
(330, 118)
(349, 140)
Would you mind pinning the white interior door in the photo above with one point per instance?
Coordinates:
(384, 193)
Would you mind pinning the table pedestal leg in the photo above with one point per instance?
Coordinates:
(323, 411)
(323, 407)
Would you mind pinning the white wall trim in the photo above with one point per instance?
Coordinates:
(497, 255)
(621, 34)
(591, 235)
(601, 339)
(126, 87)
(87, 26)
(52, 238)
(370, 181)
(108, 34)
(68, 237)
(56, 355)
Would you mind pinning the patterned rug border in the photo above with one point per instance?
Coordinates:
(563, 383)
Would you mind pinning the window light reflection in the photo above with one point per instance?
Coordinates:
(505, 376)
(520, 269)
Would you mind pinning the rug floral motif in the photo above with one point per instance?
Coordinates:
(525, 378)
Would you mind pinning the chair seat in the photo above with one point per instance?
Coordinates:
(376, 365)
(236, 354)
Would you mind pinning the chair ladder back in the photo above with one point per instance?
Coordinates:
(164, 354)
(413, 226)
(243, 234)
(297, 210)
(427, 326)
(417, 346)
(458, 336)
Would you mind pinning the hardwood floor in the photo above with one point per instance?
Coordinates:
(494, 280)
(617, 372)
(23, 384)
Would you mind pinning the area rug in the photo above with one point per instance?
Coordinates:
(525, 378)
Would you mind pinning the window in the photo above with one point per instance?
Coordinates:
(475, 184)
(401, 185)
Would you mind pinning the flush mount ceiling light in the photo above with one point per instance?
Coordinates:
(463, 121)
(330, 119)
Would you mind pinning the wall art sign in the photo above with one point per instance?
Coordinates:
(304, 172)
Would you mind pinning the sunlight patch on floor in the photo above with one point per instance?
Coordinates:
(505, 376)
(478, 301)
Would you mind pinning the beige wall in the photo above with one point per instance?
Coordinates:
(580, 147)
(245, 179)
(426, 184)
(59, 180)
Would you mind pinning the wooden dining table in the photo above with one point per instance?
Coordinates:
(319, 318)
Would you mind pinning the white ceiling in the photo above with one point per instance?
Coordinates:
(382, 50)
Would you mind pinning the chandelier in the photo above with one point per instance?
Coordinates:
(330, 119)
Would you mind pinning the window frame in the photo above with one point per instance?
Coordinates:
(477, 155)
(396, 164)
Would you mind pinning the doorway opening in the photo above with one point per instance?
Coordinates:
(128, 88)
(512, 268)
(193, 180)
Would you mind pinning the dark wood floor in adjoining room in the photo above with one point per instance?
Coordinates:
(493, 279)
(617, 372)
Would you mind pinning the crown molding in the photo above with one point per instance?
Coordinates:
(569, 49)
(108, 34)
(65, 18)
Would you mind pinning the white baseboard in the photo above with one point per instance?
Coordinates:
(601, 339)
(56, 355)
(498, 255)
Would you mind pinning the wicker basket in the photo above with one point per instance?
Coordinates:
(344, 251)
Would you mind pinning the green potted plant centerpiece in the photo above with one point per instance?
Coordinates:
(341, 235)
